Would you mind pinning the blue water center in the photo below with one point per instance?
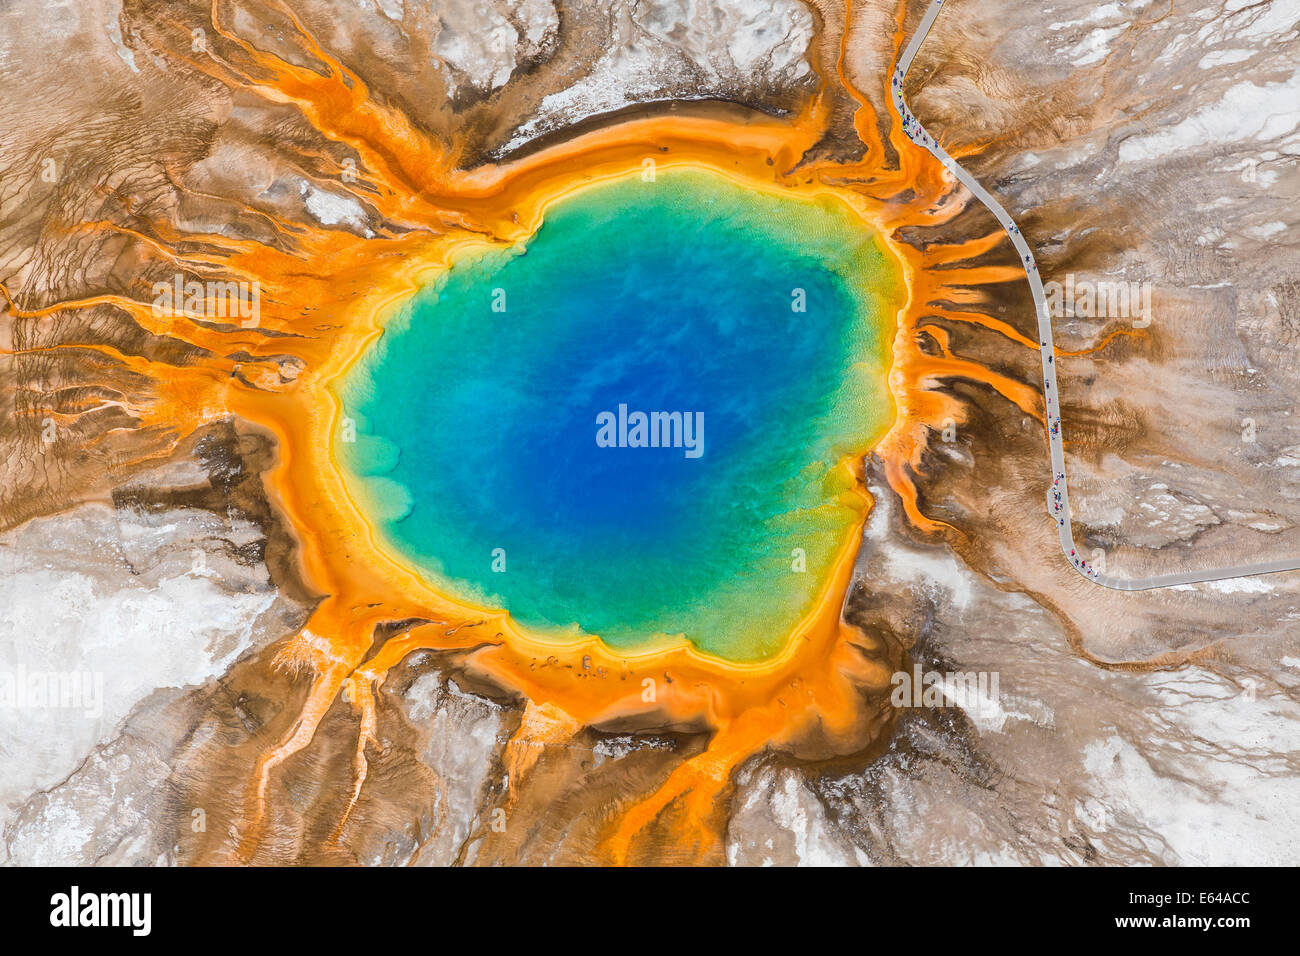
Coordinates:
(630, 425)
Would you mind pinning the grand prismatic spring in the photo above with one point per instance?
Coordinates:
(434, 390)
(747, 315)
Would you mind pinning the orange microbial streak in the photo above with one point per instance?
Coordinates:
(323, 292)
